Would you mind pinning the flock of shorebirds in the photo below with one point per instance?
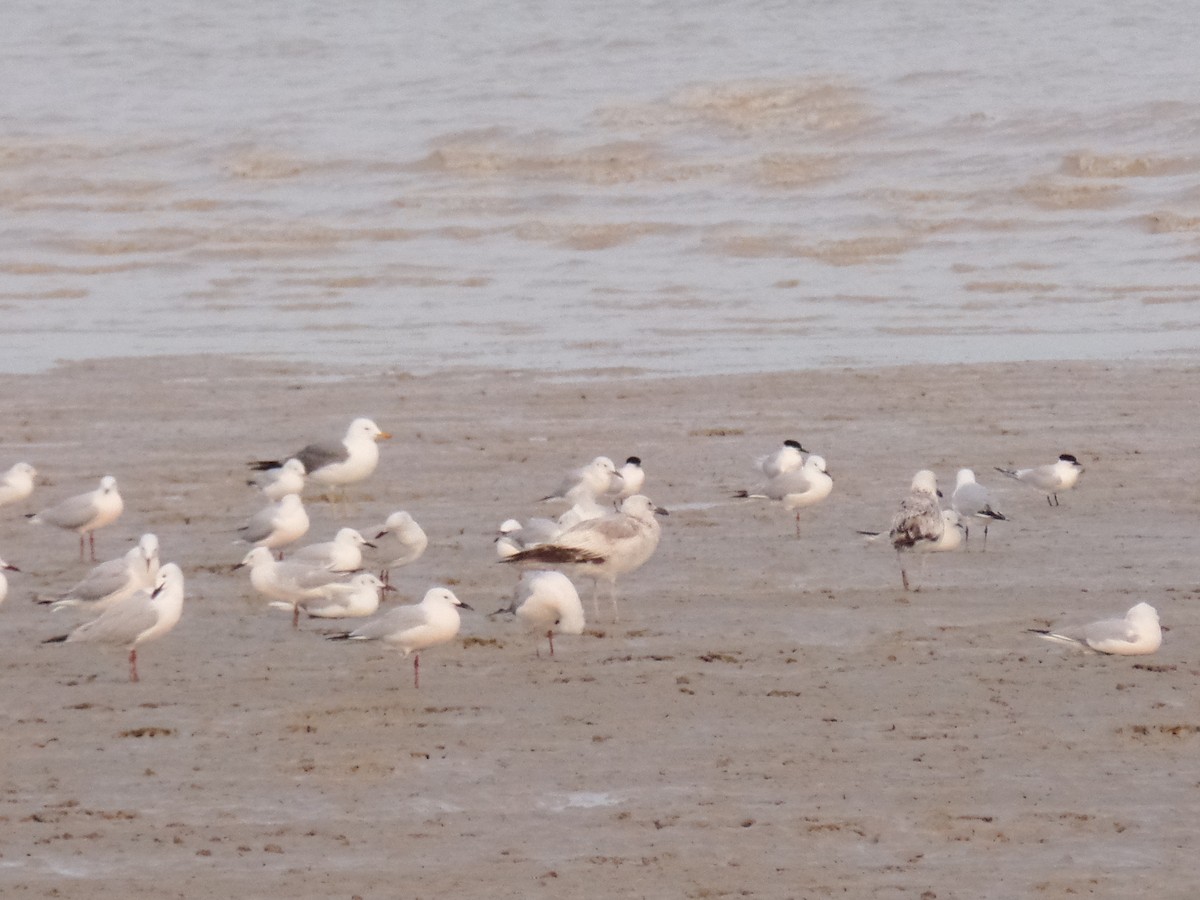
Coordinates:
(610, 529)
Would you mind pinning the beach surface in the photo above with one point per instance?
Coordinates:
(770, 716)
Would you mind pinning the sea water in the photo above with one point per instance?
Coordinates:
(664, 186)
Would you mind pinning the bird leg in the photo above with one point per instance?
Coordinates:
(295, 615)
(612, 596)
(903, 574)
(133, 675)
(985, 531)
(92, 544)
(596, 597)
(797, 523)
(417, 670)
(550, 638)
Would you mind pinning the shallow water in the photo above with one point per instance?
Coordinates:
(558, 186)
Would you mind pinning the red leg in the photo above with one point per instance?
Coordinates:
(92, 544)
(295, 615)
(417, 670)
(133, 675)
(550, 638)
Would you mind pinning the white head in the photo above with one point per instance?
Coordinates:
(965, 476)
(925, 482)
(816, 463)
(365, 428)
(556, 592)
(508, 526)
(293, 467)
(148, 548)
(259, 556)
(641, 506)
(442, 596)
(604, 464)
(349, 536)
(108, 484)
(23, 470)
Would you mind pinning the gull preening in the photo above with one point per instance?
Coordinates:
(275, 484)
(788, 457)
(341, 462)
(5, 567)
(111, 582)
(547, 603)
(1061, 475)
(1136, 633)
(971, 500)
(603, 548)
(407, 542)
(342, 554)
(291, 582)
(140, 617)
(953, 534)
(414, 627)
(17, 483)
(596, 478)
(277, 524)
(796, 488)
(84, 513)
(918, 525)
(357, 598)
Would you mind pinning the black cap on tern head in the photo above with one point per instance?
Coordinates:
(795, 445)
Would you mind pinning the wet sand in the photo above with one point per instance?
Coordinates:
(771, 717)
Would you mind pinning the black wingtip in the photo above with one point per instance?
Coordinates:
(261, 465)
(55, 640)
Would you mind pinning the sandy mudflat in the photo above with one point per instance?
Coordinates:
(771, 717)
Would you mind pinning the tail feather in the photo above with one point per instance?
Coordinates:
(261, 465)
(1011, 473)
(1055, 637)
(990, 513)
(56, 640)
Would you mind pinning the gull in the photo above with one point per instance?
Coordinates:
(631, 477)
(353, 599)
(289, 581)
(603, 548)
(918, 523)
(596, 478)
(972, 501)
(796, 488)
(140, 617)
(409, 544)
(111, 582)
(338, 463)
(342, 554)
(275, 484)
(1061, 475)
(785, 459)
(953, 534)
(17, 483)
(277, 524)
(414, 627)
(1137, 633)
(513, 537)
(547, 602)
(5, 567)
(84, 513)
(583, 507)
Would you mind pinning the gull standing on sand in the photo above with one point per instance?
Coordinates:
(1061, 475)
(547, 603)
(953, 534)
(415, 627)
(788, 457)
(140, 617)
(17, 483)
(918, 525)
(84, 513)
(798, 488)
(603, 548)
(408, 543)
(354, 599)
(1137, 633)
(111, 582)
(5, 567)
(275, 484)
(339, 463)
(277, 525)
(971, 500)
(287, 581)
(342, 554)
